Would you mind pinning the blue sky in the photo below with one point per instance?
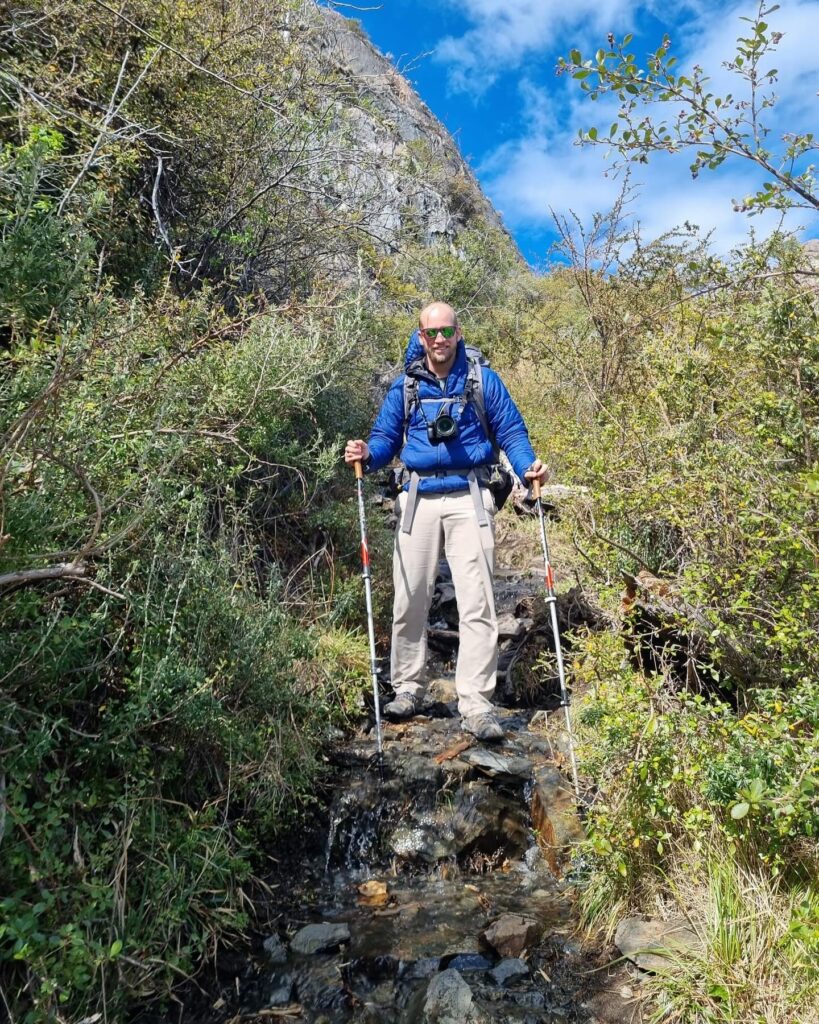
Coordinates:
(486, 68)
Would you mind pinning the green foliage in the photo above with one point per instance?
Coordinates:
(164, 696)
(45, 260)
(697, 439)
(756, 954)
(683, 401)
(679, 768)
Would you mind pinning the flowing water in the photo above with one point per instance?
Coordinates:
(396, 917)
(442, 891)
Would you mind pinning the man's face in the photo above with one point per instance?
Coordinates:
(440, 350)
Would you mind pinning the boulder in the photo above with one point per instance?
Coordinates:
(508, 971)
(554, 817)
(422, 841)
(511, 934)
(466, 962)
(484, 821)
(651, 944)
(449, 1001)
(497, 766)
(319, 938)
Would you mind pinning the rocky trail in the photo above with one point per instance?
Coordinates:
(442, 892)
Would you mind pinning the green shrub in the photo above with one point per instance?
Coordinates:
(164, 712)
(674, 769)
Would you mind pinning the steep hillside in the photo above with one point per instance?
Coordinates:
(417, 171)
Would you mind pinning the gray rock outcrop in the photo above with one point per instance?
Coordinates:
(410, 174)
(652, 945)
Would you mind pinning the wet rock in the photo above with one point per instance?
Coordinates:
(422, 841)
(533, 1000)
(418, 771)
(465, 962)
(281, 990)
(449, 1000)
(533, 859)
(321, 988)
(319, 938)
(537, 747)
(554, 817)
(377, 1006)
(511, 934)
(484, 822)
(497, 766)
(374, 969)
(649, 943)
(275, 950)
(423, 968)
(508, 971)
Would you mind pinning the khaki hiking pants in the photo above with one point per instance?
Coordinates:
(448, 522)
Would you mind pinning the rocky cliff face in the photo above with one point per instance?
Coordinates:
(412, 180)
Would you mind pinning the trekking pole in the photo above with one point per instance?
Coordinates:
(551, 600)
(368, 591)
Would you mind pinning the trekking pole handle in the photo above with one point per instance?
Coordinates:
(536, 489)
(359, 469)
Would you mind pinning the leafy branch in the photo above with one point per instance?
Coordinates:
(714, 126)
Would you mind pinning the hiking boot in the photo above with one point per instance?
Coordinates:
(483, 726)
(403, 705)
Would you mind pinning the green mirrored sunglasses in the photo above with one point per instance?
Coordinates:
(431, 333)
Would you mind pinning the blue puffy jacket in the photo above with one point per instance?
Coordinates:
(469, 449)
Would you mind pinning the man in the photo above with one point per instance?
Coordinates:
(445, 504)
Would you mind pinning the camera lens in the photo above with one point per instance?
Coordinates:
(445, 426)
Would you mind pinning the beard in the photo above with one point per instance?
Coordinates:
(441, 355)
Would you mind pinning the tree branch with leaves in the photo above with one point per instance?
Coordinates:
(715, 127)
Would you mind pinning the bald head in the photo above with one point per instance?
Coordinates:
(439, 312)
(440, 350)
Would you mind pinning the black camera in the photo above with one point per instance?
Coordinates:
(443, 428)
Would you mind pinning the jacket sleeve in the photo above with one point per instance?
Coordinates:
(507, 423)
(387, 435)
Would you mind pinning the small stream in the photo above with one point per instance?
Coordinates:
(440, 894)
(442, 891)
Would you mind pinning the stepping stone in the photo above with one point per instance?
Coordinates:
(319, 938)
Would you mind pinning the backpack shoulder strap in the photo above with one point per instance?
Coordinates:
(410, 399)
(474, 394)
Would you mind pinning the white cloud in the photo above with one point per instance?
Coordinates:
(544, 168)
(505, 33)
